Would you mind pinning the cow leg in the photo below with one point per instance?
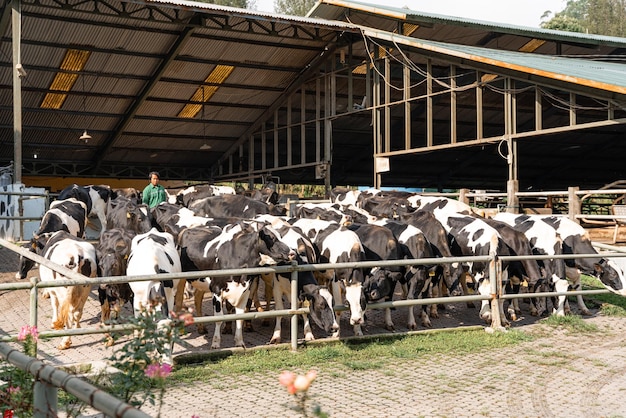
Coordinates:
(484, 288)
(560, 286)
(198, 296)
(180, 294)
(278, 305)
(338, 297)
(218, 310)
(268, 282)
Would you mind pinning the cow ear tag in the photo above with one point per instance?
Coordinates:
(431, 273)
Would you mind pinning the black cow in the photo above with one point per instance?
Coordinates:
(419, 278)
(226, 206)
(113, 251)
(125, 213)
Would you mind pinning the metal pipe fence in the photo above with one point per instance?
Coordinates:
(51, 380)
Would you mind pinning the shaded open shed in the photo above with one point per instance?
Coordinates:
(209, 93)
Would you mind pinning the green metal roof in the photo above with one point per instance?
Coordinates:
(335, 10)
(601, 75)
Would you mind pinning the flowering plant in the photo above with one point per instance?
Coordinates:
(298, 386)
(144, 362)
(16, 386)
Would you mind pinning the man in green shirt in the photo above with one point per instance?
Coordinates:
(154, 193)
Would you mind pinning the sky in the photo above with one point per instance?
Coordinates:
(516, 12)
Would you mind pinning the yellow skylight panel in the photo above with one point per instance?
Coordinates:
(204, 93)
(74, 60)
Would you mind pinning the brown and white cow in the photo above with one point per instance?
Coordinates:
(68, 302)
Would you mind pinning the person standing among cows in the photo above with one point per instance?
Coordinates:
(154, 193)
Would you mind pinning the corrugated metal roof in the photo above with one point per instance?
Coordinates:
(335, 10)
(600, 75)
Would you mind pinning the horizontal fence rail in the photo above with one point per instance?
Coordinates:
(73, 278)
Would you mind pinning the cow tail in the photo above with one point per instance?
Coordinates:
(63, 314)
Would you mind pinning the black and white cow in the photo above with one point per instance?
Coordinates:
(94, 197)
(528, 269)
(319, 298)
(575, 240)
(236, 246)
(151, 253)
(126, 214)
(190, 194)
(226, 206)
(417, 279)
(68, 302)
(471, 236)
(113, 250)
(380, 244)
(68, 215)
(544, 240)
(337, 244)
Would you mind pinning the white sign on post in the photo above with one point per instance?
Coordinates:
(382, 164)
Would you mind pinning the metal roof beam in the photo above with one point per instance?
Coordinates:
(141, 97)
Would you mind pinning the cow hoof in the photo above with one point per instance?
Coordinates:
(215, 346)
(64, 346)
(412, 327)
(275, 341)
(585, 313)
(390, 327)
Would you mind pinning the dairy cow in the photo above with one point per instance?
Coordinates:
(417, 279)
(153, 252)
(379, 244)
(67, 302)
(337, 244)
(113, 250)
(94, 197)
(225, 206)
(69, 215)
(126, 214)
(544, 240)
(235, 246)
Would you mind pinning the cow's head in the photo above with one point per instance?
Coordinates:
(321, 305)
(611, 276)
(35, 245)
(379, 283)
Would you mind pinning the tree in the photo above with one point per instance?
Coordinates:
(293, 7)
(602, 17)
(242, 4)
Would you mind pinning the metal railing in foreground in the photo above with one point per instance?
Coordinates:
(496, 293)
(49, 378)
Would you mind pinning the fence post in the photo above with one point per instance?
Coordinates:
(294, 306)
(45, 400)
(573, 203)
(495, 275)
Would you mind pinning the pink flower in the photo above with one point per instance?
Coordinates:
(297, 383)
(156, 370)
(13, 389)
(27, 330)
(286, 378)
(187, 318)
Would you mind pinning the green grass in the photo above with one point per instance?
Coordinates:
(609, 304)
(344, 357)
(572, 323)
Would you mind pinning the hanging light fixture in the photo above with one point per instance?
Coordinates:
(85, 136)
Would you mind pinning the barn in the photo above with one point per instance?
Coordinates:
(107, 90)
